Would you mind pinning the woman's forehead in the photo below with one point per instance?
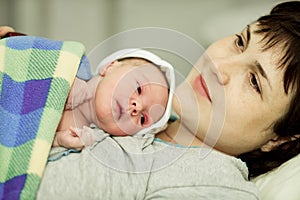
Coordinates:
(266, 42)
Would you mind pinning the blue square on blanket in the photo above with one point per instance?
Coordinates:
(9, 126)
(19, 42)
(27, 42)
(20, 128)
(35, 95)
(12, 95)
(28, 127)
(43, 43)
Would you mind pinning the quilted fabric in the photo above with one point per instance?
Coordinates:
(35, 77)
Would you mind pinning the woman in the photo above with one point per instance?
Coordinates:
(259, 71)
(246, 87)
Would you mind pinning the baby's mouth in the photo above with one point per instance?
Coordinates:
(119, 110)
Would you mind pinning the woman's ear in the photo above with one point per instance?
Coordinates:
(276, 141)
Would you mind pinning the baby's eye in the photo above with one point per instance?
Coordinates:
(138, 88)
(239, 42)
(142, 119)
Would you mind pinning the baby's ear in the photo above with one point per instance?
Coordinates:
(105, 69)
(276, 141)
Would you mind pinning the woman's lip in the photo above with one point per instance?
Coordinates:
(201, 87)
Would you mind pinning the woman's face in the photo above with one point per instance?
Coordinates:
(239, 92)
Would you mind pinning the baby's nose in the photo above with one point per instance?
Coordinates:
(135, 107)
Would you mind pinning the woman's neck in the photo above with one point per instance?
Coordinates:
(176, 133)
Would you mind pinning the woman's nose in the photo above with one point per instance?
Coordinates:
(135, 107)
(221, 67)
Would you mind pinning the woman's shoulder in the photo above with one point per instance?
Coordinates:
(200, 170)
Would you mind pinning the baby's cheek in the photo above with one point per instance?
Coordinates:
(156, 112)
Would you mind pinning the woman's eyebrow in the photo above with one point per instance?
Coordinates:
(248, 34)
(257, 65)
(261, 70)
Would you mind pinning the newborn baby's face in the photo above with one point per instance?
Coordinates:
(129, 98)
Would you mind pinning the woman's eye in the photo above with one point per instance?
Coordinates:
(142, 119)
(239, 42)
(138, 88)
(254, 83)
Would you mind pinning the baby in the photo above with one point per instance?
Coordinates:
(130, 95)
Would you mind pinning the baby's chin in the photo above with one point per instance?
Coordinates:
(120, 133)
(117, 131)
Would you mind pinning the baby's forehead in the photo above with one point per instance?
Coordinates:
(151, 74)
(147, 70)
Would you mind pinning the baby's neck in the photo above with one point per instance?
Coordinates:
(93, 83)
(87, 109)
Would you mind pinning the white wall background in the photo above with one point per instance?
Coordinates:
(93, 21)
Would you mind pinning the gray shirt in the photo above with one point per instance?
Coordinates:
(145, 168)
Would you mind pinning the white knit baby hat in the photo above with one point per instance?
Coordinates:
(165, 66)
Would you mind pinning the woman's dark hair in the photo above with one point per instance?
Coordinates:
(281, 28)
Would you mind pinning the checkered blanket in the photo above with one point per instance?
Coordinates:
(35, 78)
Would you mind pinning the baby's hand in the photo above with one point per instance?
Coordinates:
(79, 93)
(87, 135)
(68, 139)
(5, 29)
